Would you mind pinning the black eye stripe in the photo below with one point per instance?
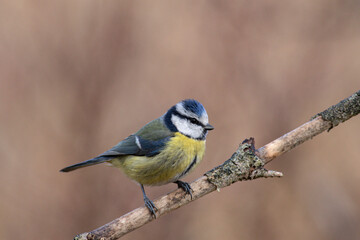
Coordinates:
(192, 120)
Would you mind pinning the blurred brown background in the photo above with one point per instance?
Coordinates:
(78, 76)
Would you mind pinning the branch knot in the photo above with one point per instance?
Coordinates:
(244, 164)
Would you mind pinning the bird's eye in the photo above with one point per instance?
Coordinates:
(194, 121)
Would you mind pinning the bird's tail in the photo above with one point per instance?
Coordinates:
(90, 162)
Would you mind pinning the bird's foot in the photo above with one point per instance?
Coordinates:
(185, 186)
(150, 205)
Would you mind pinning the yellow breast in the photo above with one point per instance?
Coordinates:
(180, 155)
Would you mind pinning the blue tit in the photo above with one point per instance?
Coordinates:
(161, 152)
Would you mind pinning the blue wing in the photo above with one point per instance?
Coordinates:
(148, 141)
(136, 145)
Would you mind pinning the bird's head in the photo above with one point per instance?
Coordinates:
(188, 117)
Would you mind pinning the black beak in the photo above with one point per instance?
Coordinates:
(209, 127)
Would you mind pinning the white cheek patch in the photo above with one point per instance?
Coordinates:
(187, 128)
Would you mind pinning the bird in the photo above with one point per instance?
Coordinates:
(161, 152)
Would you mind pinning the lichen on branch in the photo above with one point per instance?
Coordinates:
(342, 111)
(244, 164)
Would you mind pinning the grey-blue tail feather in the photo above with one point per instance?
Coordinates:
(87, 163)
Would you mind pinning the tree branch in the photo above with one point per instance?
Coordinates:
(244, 164)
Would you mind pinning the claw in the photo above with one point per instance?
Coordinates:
(185, 186)
(149, 204)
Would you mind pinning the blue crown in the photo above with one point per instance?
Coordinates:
(193, 106)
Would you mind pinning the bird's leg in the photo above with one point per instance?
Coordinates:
(148, 203)
(185, 186)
